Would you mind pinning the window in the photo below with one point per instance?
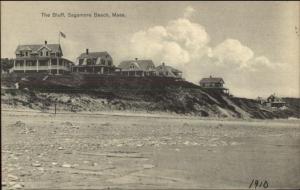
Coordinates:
(109, 62)
(94, 61)
(41, 53)
(131, 66)
(57, 54)
(80, 61)
(47, 53)
(102, 62)
(26, 53)
(88, 61)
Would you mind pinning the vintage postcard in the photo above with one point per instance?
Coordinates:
(150, 95)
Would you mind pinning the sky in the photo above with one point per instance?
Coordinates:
(253, 46)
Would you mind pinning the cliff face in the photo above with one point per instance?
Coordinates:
(93, 93)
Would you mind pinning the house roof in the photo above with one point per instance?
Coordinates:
(144, 65)
(93, 55)
(274, 98)
(212, 80)
(168, 68)
(37, 47)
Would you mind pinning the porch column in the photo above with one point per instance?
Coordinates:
(14, 64)
(50, 65)
(37, 65)
(57, 64)
(24, 65)
(102, 70)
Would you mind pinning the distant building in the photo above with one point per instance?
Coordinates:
(261, 100)
(94, 62)
(213, 83)
(168, 71)
(136, 68)
(274, 101)
(41, 58)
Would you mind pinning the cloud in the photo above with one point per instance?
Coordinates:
(191, 36)
(188, 12)
(232, 51)
(185, 45)
(175, 44)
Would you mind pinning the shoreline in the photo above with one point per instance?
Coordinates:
(138, 114)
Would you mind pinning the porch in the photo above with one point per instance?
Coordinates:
(55, 66)
(98, 69)
(136, 73)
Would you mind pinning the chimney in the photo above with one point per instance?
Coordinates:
(45, 42)
(163, 64)
(87, 51)
(136, 59)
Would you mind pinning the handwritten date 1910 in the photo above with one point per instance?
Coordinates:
(259, 184)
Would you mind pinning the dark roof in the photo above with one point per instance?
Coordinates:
(273, 98)
(144, 65)
(212, 80)
(93, 55)
(36, 47)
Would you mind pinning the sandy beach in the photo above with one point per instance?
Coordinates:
(137, 151)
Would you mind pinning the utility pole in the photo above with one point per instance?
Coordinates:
(55, 106)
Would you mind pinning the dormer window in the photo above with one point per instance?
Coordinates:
(94, 61)
(88, 62)
(41, 53)
(102, 62)
(80, 61)
(131, 67)
(47, 53)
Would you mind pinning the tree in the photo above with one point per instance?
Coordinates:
(6, 64)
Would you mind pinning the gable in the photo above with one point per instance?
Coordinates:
(43, 48)
(35, 48)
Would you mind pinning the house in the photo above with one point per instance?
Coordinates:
(213, 83)
(94, 62)
(41, 58)
(136, 67)
(274, 101)
(261, 100)
(168, 71)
